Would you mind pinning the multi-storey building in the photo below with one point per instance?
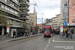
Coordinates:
(64, 11)
(24, 5)
(10, 7)
(71, 15)
(48, 22)
(56, 21)
(32, 20)
(61, 10)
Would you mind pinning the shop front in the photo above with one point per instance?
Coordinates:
(71, 27)
(2, 30)
(18, 31)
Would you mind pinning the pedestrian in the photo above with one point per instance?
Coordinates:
(72, 31)
(24, 32)
(66, 34)
(14, 33)
(6, 35)
(71, 35)
(61, 34)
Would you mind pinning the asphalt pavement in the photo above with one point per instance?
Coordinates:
(39, 43)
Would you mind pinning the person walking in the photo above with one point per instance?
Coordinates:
(72, 31)
(71, 35)
(6, 35)
(14, 33)
(66, 34)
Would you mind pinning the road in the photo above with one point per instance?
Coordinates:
(39, 43)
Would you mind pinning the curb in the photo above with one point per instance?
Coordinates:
(22, 38)
(11, 40)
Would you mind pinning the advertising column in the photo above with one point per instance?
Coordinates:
(61, 28)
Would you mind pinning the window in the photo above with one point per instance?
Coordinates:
(21, 10)
(2, 6)
(6, 8)
(32, 23)
(11, 10)
(11, 3)
(20, 0)
(16, 12)
(16, 6)
(5, 0)
(16, 1)
(22, 5)
(47, 30)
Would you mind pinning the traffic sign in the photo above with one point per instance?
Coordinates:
(64, 23)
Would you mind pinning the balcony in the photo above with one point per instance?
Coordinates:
(9, 12)
(23, 13)
(26, 3)
(23, 18)
(9, 5)
(15, 2)
(24, 8)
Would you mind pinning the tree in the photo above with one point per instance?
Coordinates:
(3, 19)
(24, 24)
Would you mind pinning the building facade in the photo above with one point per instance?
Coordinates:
(24, 9)
(10, 7)
(71, 15)
(56, 21)
(64, 11)
(32, 19)
(48, 22)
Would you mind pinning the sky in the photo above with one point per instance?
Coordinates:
(49, 8)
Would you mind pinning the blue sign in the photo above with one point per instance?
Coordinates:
(65, 23)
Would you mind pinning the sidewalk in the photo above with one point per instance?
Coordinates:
(59, 38)
(19, 38)
(3, 37)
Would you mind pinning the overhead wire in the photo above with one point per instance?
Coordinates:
(38, 7)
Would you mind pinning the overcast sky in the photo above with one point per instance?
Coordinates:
(50, 8)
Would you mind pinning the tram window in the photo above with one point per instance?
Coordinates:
(47, 30)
